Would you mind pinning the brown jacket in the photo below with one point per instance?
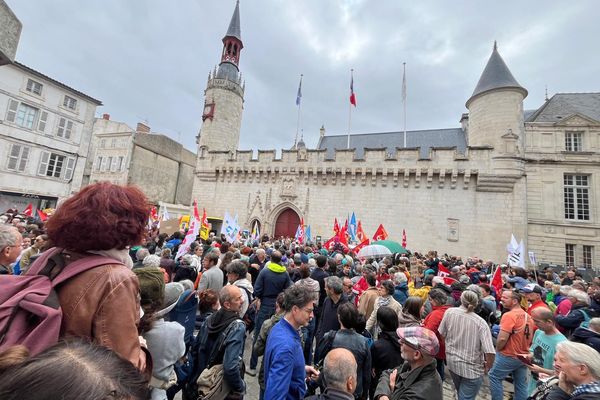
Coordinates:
(366, 303)
(103, 304)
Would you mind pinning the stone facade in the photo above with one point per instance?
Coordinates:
(160, 166)
(10, 32)
(45, 134)
(509, 179)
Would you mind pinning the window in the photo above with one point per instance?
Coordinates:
(17, 158)
(576, 197)
(98, 163)
(120, 165)
(102, 143)
(65, 128)
(113, 143)
(56, 166)
(70, 103)
(573, 141)
(113, 165)
(26, 116)
(108, 164)
(588, 256)
(569, 255)
(34, 87)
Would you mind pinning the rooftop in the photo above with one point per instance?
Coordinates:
(423, 139)
(562, 105)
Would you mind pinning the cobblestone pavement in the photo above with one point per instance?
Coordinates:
(252, 388)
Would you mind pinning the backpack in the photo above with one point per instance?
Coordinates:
(30, 312)
(250, 314)
(185, 314)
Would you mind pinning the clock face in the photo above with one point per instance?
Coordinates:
(207, 109)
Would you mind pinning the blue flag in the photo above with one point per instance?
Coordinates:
(299, 95)
(307, 234)
(352, 226)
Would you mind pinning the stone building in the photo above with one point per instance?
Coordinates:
(10, 32)
(160, 166)
(463, 190)
(45, 132)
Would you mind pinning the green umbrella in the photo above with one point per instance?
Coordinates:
(394, 247)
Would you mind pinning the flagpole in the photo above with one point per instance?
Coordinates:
(404, 99)
(299, 103)
(350, 111)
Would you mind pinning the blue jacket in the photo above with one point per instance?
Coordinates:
(284, 364)
(272, 280)
(401, 293)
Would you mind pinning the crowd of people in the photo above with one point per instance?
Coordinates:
(136, 322)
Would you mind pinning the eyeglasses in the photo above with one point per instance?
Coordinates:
(307, 310)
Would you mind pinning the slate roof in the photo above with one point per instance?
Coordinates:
(425, 139)
(496, 75)
(562, 105)
(234, 29)
(229, 71)
(60, 84)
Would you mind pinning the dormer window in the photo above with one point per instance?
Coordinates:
(34, 87)
(70, 103)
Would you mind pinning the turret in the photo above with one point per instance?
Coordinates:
(224, 96)
(496, 107)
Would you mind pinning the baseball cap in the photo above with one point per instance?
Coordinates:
(531, 288)
(420, 338)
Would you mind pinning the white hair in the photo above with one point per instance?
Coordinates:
(581, 354)
(400, 277)
(580, 296)
(564, 290)
(437, 279)
(151, 261)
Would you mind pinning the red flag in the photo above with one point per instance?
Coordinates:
(360, 246)
(497, 280)
(360, 233)
(403, 238)
(28, 211)
(342, 237)
(380, 233)
(352, 95)
(442, 270)
(43, 216)
(196, 213)
(153, 214)
(336, 227)
(449, 281)
(330, 243)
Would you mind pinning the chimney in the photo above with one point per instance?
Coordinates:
(106, 117)
(464, 121)
(322, 131)
(142, 128)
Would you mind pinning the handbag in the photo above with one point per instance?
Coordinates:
(211, 384)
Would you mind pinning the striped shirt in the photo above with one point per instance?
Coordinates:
(468, 338)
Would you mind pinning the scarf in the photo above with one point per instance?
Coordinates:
(220, 320)
(384, 301)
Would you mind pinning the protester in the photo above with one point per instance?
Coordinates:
(308, 332)
(432, 322)
(469, 348)
(590, 335)
(212, 276)
(385, 351)
(10, 248)
(70, 370)
(579, 373)
(348, 338)
(514, 339)
(579, 312)
(285, 369)
(533, 294)
(35, 249)
(417, 378)
(411, 312)
(272, 280)
(386, 298)
(339, 375)
(401, 287)
(543, 346)
(236, 275)
(329, 320)
(226, 327)
(367, 299)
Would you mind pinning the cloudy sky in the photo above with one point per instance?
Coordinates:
(149, 59)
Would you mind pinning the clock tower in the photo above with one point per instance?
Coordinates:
(224, 96)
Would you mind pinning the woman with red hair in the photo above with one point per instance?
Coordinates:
(102, 303)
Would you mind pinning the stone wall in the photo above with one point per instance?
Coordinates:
(10, 32)
(436, 201)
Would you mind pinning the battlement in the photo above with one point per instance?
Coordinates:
(236, 87)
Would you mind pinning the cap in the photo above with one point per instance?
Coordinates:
(531, 288)
(464, 279)
(420, 338)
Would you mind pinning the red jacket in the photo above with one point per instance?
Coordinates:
(432, 322)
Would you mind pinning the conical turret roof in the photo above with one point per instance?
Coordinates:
(496, 75)
(234, 29)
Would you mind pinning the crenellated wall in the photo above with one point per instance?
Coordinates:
(439, 201)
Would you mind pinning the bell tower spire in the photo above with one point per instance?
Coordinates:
(224, 96)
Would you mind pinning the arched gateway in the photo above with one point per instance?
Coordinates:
(286, 224)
